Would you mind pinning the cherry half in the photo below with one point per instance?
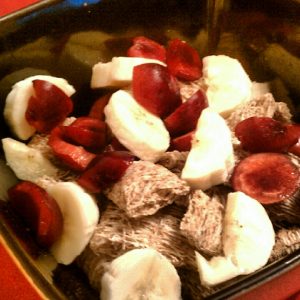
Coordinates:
(183, 61)
(147, 48)
(155, 89)
(108, 169)
(39, 211)
(184, 119)
(48, 108)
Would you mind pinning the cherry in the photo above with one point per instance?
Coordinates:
(115, 145)
(183, 61)
(263, 134)
(75, 157)
(88, 132)
(266, 177)
(183, 142)
(155, 89)
(108, 169)
(48, 108)
(39, 211)
(147, 48)
(97, 109)
(185, 117)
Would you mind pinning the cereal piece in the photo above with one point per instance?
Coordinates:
(145, 188)
(287, 241)
(116, 233)
(173, 161)
(187, 89)
(93, 266)
(202, 223)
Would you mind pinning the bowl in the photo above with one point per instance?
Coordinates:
(50, 38)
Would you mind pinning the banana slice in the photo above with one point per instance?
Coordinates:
(247, 228)
(17, 102)
(141, 274)
(228, 85)
(26, 162)
(80, 213)
(117, 72)
(211, 159)
(7, 179)
(141, 132)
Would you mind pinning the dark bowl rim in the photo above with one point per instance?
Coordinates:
(240, 286)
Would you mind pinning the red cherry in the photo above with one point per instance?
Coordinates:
(183, 61)
(88, 132)
(147, 48)
(183, 142)
(75, 157)
(155, 89)
(115, 145)
(97, 109)
(39, 211)
(266, 177)
(48, 108)
(108, 169)
(263, 134)
(185, 117)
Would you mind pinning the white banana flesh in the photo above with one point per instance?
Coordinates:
(141, 274)
(80, 214)
(17, 102)
(210, 159)
(27, 163)
(228, 85)
(118, 72)
(141, 132)
(248, 239)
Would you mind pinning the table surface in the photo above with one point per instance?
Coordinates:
(15, 285)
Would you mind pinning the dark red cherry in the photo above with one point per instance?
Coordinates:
(185, 117)
(75, 157)
(155, 89)
(108, 169)
(266, 177)
(88, 132)
(147, 48)
(263, 134)
(183, 61)
(48, 107)
(39, 211)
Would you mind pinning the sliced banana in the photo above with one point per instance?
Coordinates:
(117, 72)
(17, 102)
(80, 214)
(7, 179)
(141, 274)
(228, 85)
(143, 133)
(211, 159)
(248, 239)
(27, 163)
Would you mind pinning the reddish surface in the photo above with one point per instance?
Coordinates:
(8, 6)
(14, 285)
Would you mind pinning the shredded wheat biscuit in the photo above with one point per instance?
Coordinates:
(117, 233)
(203, 221)
(145, 188)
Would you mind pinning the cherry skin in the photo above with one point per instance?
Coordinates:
(39, 211)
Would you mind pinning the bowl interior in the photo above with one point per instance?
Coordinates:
(57, 38)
